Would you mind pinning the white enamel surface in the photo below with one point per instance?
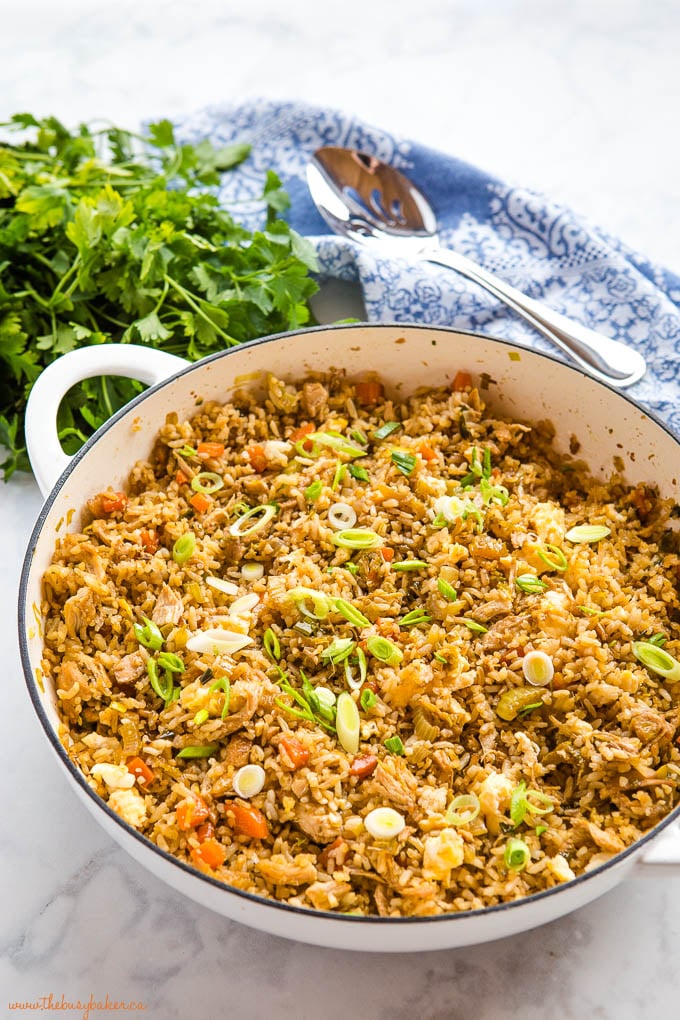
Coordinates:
(612, 428)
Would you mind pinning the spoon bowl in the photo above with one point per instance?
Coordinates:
(370, 202)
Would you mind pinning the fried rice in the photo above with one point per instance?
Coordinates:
(299, 652)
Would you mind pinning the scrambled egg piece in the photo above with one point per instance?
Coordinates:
(116, 777)
(494, 799)
(129, 805)
(559, 867)
(442, 853)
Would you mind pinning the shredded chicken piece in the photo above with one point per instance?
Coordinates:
(237, 752)
(327, 895)
(169, 607)
(393, 781)
(314, 398)
(80, 612)
(320, 824)
(281, 870)
(129, 669)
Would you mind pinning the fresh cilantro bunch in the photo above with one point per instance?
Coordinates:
(108, 236)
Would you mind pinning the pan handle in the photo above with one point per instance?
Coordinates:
(663, 855)
(132, 361)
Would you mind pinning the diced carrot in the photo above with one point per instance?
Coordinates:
(248, 820)
(300, 433)
(181, 478)
(149, 540)
(191, 812)
(204, 832)
(363, 766)
(200, 502)
(461, 381)
(427, 452)
(257, 459)
(141, 771)
(369, 392)
(295, 751)
(210, 450)
(210, 853)
(112, 502)
(387, 554)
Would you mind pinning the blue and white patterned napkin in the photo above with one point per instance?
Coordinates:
(535, 244)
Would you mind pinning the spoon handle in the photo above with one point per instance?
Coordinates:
(606, 359)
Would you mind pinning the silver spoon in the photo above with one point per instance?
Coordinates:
(370, 202)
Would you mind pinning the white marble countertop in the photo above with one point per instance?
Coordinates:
(581, 105)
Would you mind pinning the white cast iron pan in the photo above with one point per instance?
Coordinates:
(524, 384)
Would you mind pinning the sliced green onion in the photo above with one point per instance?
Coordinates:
(517, 855)
(446, 590)
(587, 533)
(530, 583)
(658, 639)
(271, 645)
(148, 635)
(252, 571)
(554, 557)
(439, 521)
(218, 641)
(415, 617)
(313, 491)
(207, 482)
(223, 685)
(658, 660)
(395, 745)
(312, 454)
(367, 699)
(440, 658)
(201, 716)
(248, 781)
(478, 628)
(162, 687)
(384, 823)
(358, 437)
(540, 829)
(168, 660)
(356, 683)
(384, 650)
(493, 493)
(357, 538)
(538, 668)
(404, 461)
(219, 584)
(341, 516)
(591, 611)
(347, 723)
(198, 751)
(263, 513)
(528, 802)
(338, 650)
(463, 809)
(325, 699)
(338, 476)
(351, 613)
(186, 451)
(386, 430)
(358, 472)
(304, 627)
(184, 547)
(409, 565)
(529, 708)
(336, 442)
(321, 602)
